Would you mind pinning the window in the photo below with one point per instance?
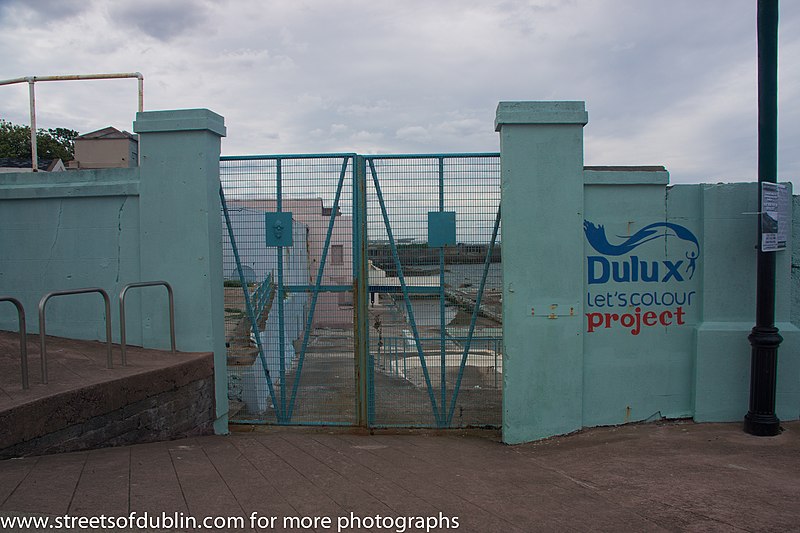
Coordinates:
(337, 254)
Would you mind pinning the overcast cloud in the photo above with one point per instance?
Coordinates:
(665, 82)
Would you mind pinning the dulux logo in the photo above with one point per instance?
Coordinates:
(632, 269)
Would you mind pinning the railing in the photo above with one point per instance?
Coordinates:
(23, 339)
(42, 333)
(397, 349)
(262, 295)
(31, 81)
(122, 294)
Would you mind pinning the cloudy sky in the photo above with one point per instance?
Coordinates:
(665, 82)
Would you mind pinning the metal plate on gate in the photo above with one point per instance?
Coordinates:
(279, 228)
(441, 228)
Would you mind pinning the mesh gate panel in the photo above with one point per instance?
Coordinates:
(304, 313)
(436, 355)
(433, 312)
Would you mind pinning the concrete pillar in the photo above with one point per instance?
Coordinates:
(181, 234)
(541, 146)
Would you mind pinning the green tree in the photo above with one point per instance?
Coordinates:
(54, 143)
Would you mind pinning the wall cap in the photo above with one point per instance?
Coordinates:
(542, 112)
(179, 120)
(617, 175)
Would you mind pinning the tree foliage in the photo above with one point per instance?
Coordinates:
(54, 143)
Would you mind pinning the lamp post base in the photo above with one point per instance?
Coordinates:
(762, 425)
(760, 419)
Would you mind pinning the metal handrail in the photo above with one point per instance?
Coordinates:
(122, 313)
(31, 81)
(23, 338)
(43, 303)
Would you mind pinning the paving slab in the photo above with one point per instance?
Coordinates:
(676, 476)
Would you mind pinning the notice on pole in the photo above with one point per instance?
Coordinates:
(775, 216)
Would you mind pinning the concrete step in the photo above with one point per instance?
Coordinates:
(157, 396)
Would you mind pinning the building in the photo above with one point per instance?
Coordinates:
(23, 164)
(106, 148)
(333, 308)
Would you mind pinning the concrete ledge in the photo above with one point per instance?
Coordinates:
(157, 396)
(625, 176)
(81, 190)
(179, 120)
(71, 184)
(540, 113)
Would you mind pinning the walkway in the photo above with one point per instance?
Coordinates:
(658, 477)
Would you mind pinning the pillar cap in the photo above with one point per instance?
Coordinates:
(544, 112)
(179, 120)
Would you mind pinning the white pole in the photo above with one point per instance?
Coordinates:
(33, 79)
(34, 152)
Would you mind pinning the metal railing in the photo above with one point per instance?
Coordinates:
(122, 294)
(23, 339)
(31, 81)
(262, 295)
(395, 350)
(42, 328)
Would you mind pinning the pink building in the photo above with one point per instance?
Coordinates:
(334, 309)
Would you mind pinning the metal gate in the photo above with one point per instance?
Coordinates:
(363, 290)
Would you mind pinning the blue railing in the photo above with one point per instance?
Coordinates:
(262, 295)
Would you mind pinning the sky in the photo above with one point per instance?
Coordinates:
(670, 83)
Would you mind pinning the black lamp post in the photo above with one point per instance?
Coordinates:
(761, 419)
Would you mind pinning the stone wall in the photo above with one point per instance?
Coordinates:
(163, 404)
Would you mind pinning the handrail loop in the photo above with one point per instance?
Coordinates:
(42, 333)
(122, 313)
(23, 339)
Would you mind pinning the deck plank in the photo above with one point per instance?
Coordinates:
(154, 485)
(49, 487)
(104, 484)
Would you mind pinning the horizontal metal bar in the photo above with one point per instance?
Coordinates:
(267, 157)
(432, 156)
(428, 426)
(322, 288)
(393, 289)
(70, 77)
(171, 302)
(411, 289)
(448, 338)
(273, 423)
(23, 338)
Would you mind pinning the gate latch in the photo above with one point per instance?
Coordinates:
(441, 228)
(279, 228)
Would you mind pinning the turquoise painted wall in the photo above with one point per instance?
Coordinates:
(181, 232)
(69, 230)
(795, 307)
(541, 149)
(666, 276)
(635, 366)
(107, 228)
